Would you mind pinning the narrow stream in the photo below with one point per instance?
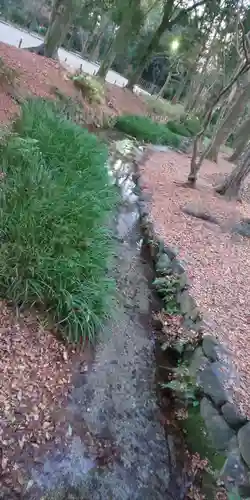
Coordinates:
(115, 402)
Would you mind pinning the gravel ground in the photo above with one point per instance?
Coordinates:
(40, 76)
(216, 260)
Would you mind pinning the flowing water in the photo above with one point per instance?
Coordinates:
(115, 401)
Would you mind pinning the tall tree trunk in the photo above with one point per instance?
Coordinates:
(117, 46)
(166, 24)
(232, 184)
(60, 21)
(229, 123)
(94, 53)
(196, 161)
(241, 140)
(165, 85)
(84, 36)
(180, 89)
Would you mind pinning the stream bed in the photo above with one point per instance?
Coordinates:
(114, 400)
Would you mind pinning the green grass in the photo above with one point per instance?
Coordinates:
(178, 128)
(55, 200)
(162, 107)
(145, 129)
(193, 125)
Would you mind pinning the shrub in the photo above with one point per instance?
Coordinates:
(178, 128)
(193, 125)
(162, 107)
(8, 75)
(55, 200)
(145, 129)
(91, 88)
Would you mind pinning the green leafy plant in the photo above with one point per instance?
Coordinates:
(145, 129)
(56, 197)
(182, 384)
(193, 125)
(167, 289)
(178, 128)
(91, 87)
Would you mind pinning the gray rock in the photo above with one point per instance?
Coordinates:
(234, 473)
(143, 208)
(184, 281)
(242, 228)
(212, 380)
(188, 305)
(171, 252)
(178, 267)
(209, 346)
(218, 430)
(197, 363)
(232, 415)
(163, 263)
(244, 442)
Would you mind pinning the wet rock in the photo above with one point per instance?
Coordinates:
(232, 415)
(188, 305)
(218, 430)
(143, 208)
(235, 473)
(197, 363)
(244, 442)
(212, 380)
(209, 346)
(163, 264)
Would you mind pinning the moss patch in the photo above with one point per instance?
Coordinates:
(198, 440)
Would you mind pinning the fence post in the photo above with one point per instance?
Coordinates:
(20, 43)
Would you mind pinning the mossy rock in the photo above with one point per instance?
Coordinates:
(198, 440)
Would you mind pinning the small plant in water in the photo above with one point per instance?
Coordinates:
(182, 384)
(167, 288)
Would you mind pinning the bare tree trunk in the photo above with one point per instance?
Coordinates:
(117, 46)
(165, 85)
(196, 163)
(60, 21)
(180, 89)
(94, 54)
(232, 184)
(229, 123)
(241, 140)
(84, 36)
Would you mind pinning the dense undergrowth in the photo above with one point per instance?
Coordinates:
(56, 197)
(145, 129)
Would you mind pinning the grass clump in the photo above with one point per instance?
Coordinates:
(145, 129)
(55, 200)
(90, 87)
(162, 107)
(193, 125)
(178, 128)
